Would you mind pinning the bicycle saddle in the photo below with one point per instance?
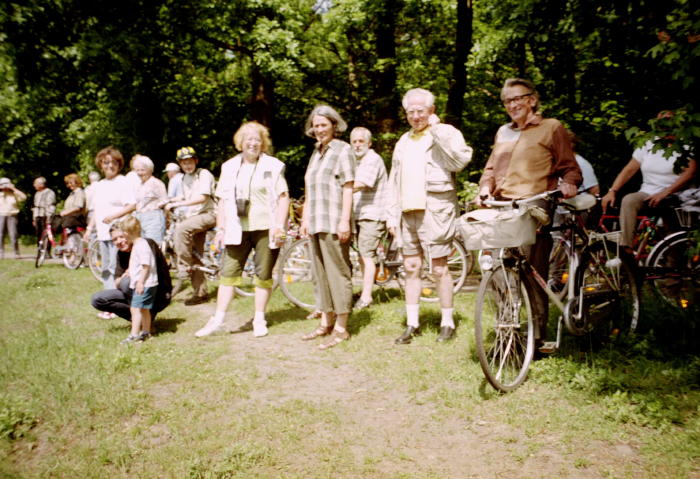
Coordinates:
(580, 202)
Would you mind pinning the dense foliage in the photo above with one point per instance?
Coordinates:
(150, 76)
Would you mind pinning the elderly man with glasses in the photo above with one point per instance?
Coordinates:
(422, 209)
(531, 155)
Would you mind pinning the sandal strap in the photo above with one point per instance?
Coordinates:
(319, 331)
(336, 338)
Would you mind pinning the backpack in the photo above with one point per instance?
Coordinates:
(165, 284)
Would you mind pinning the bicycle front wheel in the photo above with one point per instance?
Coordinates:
(674, 270)
(559, 267)
(42, 250)
(73, 251)
(296, 276)
(504, 328)
(94, 259)
(607, 288)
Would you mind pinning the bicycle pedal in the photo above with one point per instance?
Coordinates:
(548, 347)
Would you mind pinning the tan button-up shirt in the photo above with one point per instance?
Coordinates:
(531, 160)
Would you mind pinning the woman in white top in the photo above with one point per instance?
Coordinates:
(251, 213)
(150, 193)
(112, 198)
(658, 181)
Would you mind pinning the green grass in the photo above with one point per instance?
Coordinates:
(75, 403)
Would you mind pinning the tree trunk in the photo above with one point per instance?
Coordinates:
(262, 100)
(387, 98)
(463, 45)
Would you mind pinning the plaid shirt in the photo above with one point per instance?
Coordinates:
(324, 180)
(370, 203)
(44, 203)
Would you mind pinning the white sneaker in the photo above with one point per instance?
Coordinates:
(260, 329)
(212, 326)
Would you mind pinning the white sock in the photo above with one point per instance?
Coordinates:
(259, 317)
(219, 316)
(412, 315)
(447, 319)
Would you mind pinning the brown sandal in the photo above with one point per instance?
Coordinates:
(318, 332)
(336, 338)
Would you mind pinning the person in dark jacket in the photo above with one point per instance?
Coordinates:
(117, 301)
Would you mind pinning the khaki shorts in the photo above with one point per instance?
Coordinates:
(433, 227)
(235, 257)
(369, 234)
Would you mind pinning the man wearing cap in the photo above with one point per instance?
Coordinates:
(44, 206)
(10, 199)
(200, 216)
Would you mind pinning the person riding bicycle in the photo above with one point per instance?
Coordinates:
(200, 216)
(369, 199)
(73, 213)
(44, 206)
(531, 155)
(658, 182)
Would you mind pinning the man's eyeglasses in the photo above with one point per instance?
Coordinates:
(516, 99)
(416, 111)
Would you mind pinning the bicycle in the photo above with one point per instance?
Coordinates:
(212, 259)
(69, 247)
(295, 275)
(603, 289)
(673, 266)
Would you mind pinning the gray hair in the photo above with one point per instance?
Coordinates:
(361, 130)
(144, 161)
(339, 125)
(41, 180)
(511, 82)
(429, 97)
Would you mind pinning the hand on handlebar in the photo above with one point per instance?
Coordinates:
(568, 190)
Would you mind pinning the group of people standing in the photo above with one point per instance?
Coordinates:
(347, 191)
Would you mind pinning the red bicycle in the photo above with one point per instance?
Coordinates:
(70, 246)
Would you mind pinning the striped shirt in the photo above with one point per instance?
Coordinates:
(370, 203)
(324, 179)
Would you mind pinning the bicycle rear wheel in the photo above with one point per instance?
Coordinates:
(606, 284)
(674, 270)
(296, 276)
(457, 264)
(94, 259)
(42, 250)
(73, 251)
(504, 329)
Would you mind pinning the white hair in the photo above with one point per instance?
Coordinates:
(144, 161)
(429, 97)
(361, 130)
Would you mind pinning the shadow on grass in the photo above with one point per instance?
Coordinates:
(167, 325)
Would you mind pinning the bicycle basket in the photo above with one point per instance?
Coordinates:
(488, 228)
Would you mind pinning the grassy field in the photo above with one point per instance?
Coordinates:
(75, 403)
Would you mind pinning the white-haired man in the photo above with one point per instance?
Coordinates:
(369, 203)
(423, 203)
(44, 206)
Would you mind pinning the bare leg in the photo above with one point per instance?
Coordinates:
(262, 296)
(412, 265)
(136, 321)
(442, 272)
(368, 271)
(146, 320)
(224, 295)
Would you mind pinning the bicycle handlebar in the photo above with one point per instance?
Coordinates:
(548, 195)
